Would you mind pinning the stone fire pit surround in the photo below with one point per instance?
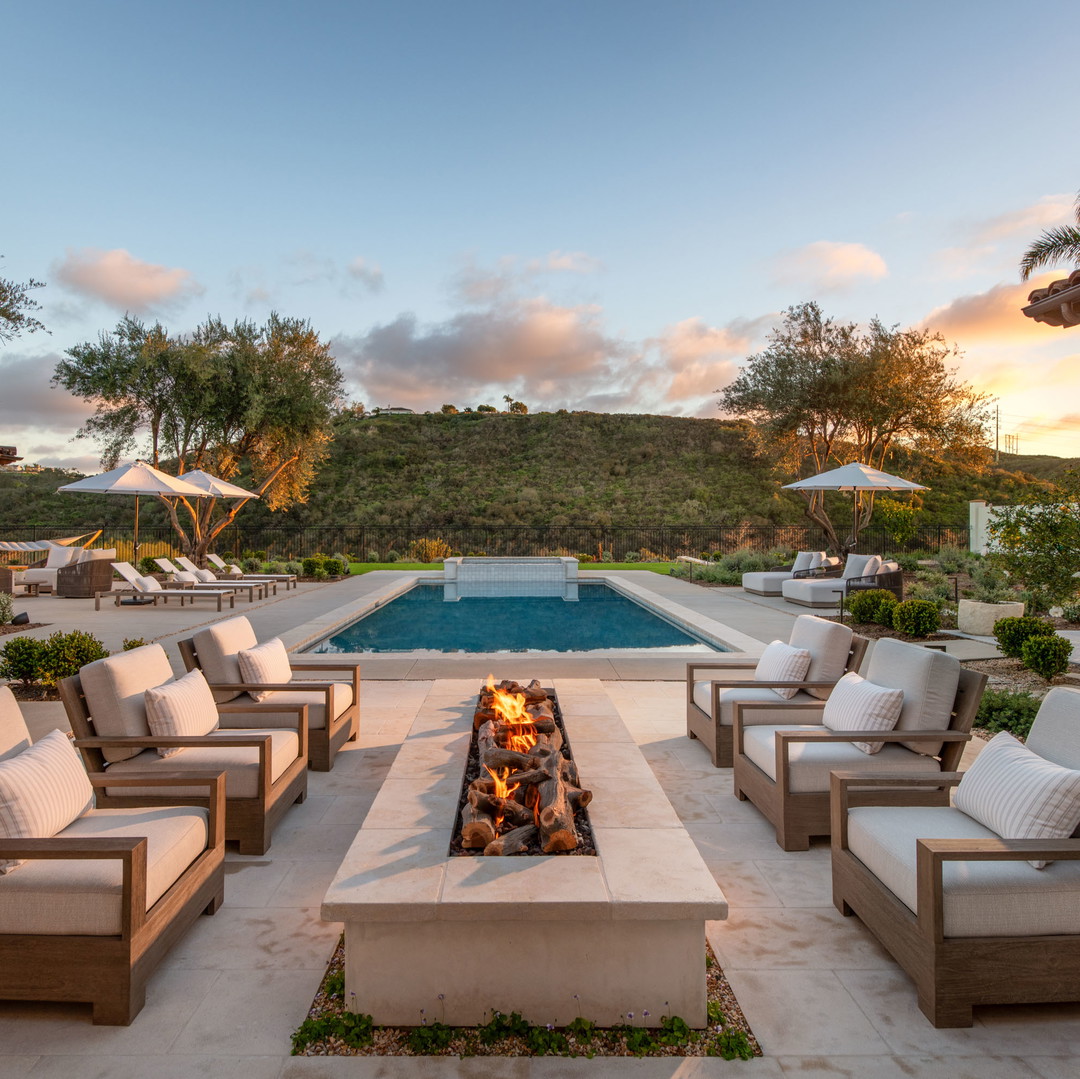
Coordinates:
(432, 937)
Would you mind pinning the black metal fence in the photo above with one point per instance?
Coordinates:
(384, 541)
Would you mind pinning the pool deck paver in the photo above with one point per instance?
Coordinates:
(824, 999)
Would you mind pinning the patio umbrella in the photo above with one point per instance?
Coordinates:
(855, 478)
(211, 485)
(138, 478)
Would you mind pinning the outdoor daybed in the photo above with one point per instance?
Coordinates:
(859, 572)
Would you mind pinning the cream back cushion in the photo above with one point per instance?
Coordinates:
(183, 707)
(782, 663)
(266, 663)
(62, 556)
(802, 561)
(858, 705)
(1019, 795)
(218, 646)
(42, 790)
(828, 644)
(114, 689)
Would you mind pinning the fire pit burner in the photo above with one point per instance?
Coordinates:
(521, 792)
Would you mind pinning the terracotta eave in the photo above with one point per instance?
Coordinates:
(1057, 305)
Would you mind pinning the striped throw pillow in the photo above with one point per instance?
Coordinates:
(265, 664)
(42, 790)
(782, 663)
(182, 707)
(1020, 795)
(858, 705)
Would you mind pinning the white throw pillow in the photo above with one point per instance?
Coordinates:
(42, 790)
(782, 662)
(265, 664)
(180, 708)
(817, 558)
(858, 705)
(872, 567)
(147, 584)
(1020, 795)
(204, 575)
(185, 577)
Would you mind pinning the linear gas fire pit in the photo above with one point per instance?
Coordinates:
(432, 936)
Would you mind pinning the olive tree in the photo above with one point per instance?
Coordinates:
(240, 400)
(825, 393)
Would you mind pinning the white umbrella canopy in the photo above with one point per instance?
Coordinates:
(138, 478)
(854, 477)
(214, 487)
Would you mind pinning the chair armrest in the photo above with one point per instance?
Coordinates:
(738, 665)
(302, 665)
(824, 574)
(130, 851)
(260, 687)
(872, 736)
(736, 683)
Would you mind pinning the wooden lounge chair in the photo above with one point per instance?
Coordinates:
(960, 908)
(149, 589)
(265, 768)
(784, 770)
(233, 572)
(713, 687)
(93, 908)
(268, 584)
(252, 589)
(333, 705)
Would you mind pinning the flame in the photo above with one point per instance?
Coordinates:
(510, 708)
(501, 789)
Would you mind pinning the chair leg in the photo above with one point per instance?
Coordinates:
(215, 904)
(945, 1011)
(120, 1009)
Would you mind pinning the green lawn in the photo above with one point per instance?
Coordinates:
(651, 567)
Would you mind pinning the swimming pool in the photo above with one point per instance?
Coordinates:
(600, 619)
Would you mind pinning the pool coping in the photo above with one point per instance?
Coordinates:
(733, 640)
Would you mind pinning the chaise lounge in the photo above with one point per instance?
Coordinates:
(859, 572)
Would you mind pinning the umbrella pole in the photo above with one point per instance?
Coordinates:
(135, 545)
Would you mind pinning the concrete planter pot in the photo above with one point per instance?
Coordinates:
(979, 618)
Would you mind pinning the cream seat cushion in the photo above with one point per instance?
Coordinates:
(991, 899)
(812, 764)
(83, 896)
(239, 763)
(341, 698)
(781, 713)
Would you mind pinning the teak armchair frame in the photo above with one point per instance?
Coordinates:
(110, 972)
(797, 816)
(717, 737)
(248, 821)
(951, 974)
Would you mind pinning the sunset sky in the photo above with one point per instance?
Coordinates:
(602, 204)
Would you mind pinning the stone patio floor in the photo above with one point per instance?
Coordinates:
(822, 997)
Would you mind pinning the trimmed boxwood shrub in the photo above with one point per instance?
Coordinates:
(1005, 710)
(20, 660)
(1011, 633)
(864, 606)
(65, 654)
(1046, 656)
(916, 617)
(334, 567)
(312, 564)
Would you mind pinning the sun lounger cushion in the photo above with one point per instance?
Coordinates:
(928, 679)
(239, 763)
(811, 764)
(981, 899)
(265, 663)
(858, 705)
(83, 896)
(1019, 795)
(115, 690)
(341, 697)
(42, 790)
(182, 707)
(782, 662)
(217, 646)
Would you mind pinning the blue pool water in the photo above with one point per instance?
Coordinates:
(600, 619)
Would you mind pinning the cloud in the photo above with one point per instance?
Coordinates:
(992, 316)
(475, 285)
(1027, 222)
(29, 402)
(369, 274)
(829, 266)
(119, 279)
(306, 268)
(700, 359)
(543, 353)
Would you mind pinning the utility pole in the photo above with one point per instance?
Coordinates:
(997, 434)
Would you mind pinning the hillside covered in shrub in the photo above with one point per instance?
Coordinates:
(548, 468)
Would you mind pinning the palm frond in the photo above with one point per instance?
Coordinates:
(1057, 245)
